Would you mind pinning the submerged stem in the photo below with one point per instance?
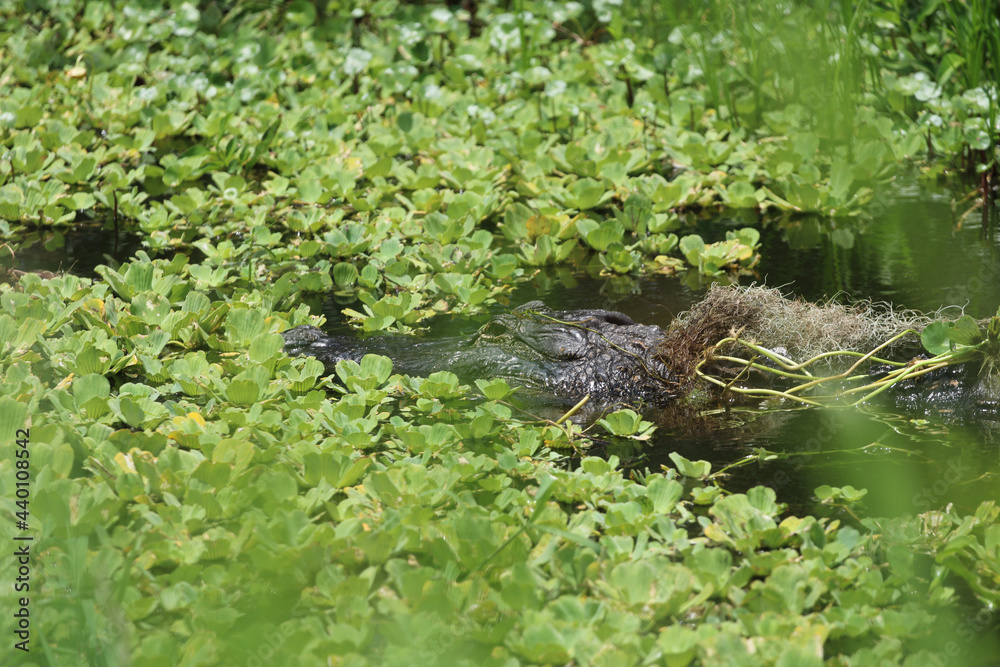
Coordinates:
(786, 369)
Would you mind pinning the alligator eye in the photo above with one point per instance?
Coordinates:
(614, 317)
(494, 329)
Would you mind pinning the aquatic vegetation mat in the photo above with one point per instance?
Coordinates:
(445, 152)
(197, 497)
(792, 328)
(828, 354)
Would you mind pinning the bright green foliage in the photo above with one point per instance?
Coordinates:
(626, 423)
(961, 339)
(224, 506)
(943, 336)
(739, 249)
(693, 469)
(302, 143)
(199, 498)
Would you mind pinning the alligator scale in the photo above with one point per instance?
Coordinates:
(603, 354)
(568, 354)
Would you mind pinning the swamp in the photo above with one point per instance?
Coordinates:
(798, 197)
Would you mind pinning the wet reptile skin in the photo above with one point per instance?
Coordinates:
(568, 354)
(600, 353)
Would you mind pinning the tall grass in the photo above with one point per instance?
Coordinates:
(975, 31)
(763, 56)
(831, 57)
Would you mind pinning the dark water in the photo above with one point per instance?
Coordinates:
(911, 254)
(77, 250)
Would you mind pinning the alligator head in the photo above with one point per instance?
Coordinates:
(571, 354)
(565, 354)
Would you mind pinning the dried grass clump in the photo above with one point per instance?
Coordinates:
(764, 316)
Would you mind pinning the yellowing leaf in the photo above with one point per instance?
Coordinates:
(124, 462)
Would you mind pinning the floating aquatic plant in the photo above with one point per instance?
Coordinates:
(762, 333)
(201, 498)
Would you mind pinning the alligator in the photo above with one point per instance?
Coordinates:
(567, 354)
(603, 354)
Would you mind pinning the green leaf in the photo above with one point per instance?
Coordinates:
(215, 475)
(494, 390)
(740, 194)
(847, 494)
(748, 236)
(13, 416)
(841, 177)
(92, 360)
(804, 196)
(350, 475)
(243, 325)
(377, 366)
(83, 170)
(377, 323)
(310, 191)
(965, 331)
(345, 274)
(622, 422)
(243, 392)
(694, 469)
(28, 333)
(153, 343)
(139, 276)
(503, 266)
(691, 247)
(825, 492)
(585, 226)
(679, 645)
(935, 337)
(664, 493)
(129, 485)
(178, 596)
(90, 386)
(637, 212)
(609, 231)
(264, 144)
(130, 412)
(266, 346)
(585, 193)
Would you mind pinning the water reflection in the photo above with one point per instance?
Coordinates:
(911, 254)
(77, 250)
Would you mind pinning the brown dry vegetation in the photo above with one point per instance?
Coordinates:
(764, 316)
